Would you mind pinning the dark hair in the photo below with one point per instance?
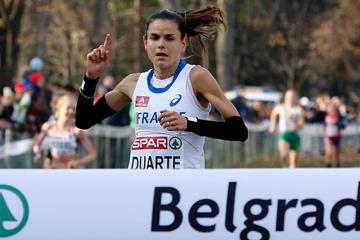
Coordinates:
(194, 23)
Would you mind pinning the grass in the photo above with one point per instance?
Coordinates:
(348, 159)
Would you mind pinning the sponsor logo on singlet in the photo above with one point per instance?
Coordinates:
(152, 142)
(175, 100)
(156, 152)
(142, 101)
(175, 143)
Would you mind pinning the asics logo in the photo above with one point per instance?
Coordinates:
(175, 100)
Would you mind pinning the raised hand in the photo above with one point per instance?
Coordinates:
(98, 59)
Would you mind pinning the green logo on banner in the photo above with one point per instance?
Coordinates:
(175, 143)
(6, 215)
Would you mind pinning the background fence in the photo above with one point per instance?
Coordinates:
(113, 144)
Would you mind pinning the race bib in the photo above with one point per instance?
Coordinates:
(157, 152)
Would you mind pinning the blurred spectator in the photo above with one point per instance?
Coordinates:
(321, 103)
(309, 109)
(6, 108)
(21, 104)
(120, 118)
(245, 112)
(71, 89)
(259, 112)
(353, 107)
(40, 109)
(32, 99)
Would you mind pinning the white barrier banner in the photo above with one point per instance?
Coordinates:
(15, 148)
(278, 204)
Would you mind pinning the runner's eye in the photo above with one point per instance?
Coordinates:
(154, 36)
(169, 37)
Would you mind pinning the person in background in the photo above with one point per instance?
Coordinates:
(171, 101)
(291, 120)
(243, 108)
(63, 138)
(40, 109)
(335, 121)
(6, 108)
(105, 86)
(5, 116)
(21, 105)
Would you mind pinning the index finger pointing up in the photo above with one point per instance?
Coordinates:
(107, 42)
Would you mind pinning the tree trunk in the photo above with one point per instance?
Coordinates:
(137, 36)
(10, 15)
(170, 4)
(225, 52)
(99, 19)
(40, 18)
(69, 57)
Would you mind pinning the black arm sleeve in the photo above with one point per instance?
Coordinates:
(232, 129)
(88, 114)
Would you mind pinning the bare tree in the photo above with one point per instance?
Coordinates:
(225, 52)
(335, 43)
(99, 20)
(137, 35)
(66, 55)
(292, 59)
(11, 13)
(59, 32)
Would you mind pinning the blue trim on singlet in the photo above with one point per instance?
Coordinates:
(153, 89)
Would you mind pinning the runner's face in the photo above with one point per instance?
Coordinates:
(290, 98)
(163, 43)
(67, 109)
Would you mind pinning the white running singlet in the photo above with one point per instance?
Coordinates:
(288, 118)
(155, 147)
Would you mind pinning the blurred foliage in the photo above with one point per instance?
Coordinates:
(310, 45)
(335, 48)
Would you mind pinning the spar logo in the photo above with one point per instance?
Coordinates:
(14, 210)
(151, 142)
(309, 214)
(175, 100)
(142, 101)
(175, 143)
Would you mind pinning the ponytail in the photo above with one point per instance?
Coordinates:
(203, 23)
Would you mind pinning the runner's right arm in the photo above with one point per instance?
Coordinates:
(87, 113)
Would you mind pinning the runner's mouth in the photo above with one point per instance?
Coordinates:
(161, 55)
